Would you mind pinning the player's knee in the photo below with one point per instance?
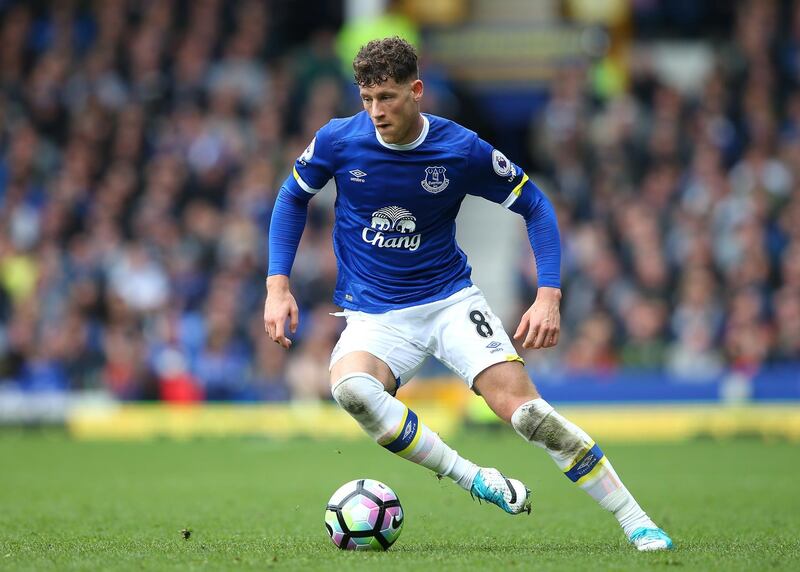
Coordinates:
(537, 422)
(529, 416)
(357, 392)
(504, 387)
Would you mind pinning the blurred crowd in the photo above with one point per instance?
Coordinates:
(142, 145)
(680, 213)
(141, 150)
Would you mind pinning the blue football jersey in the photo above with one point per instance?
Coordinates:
(396, 206)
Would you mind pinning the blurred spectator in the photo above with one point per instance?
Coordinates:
(644, 346)
(139, 282)
(593, 347)
(693, 357)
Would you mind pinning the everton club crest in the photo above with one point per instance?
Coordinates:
(435, 180)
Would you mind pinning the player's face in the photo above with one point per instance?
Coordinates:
(394, 109)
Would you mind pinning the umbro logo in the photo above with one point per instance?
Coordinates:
(587, 463)
(358, 176)
(410, 430)
(494, 347)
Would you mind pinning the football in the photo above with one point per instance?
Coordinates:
(364, 514)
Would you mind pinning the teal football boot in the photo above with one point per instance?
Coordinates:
(650, 539)
(509, 494)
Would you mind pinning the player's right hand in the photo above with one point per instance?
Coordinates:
(279, 306)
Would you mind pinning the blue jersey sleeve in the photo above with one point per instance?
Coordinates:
(286, 229)
(542, 226)
(492, 175)
(311, 171)
(315, 167)
(499, 180)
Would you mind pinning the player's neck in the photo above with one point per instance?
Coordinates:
(414, 132)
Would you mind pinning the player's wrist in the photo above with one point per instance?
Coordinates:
(277, 283)
(549, 293)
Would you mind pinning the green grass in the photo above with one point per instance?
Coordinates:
(258, 505)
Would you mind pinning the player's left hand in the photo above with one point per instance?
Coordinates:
(541, 324)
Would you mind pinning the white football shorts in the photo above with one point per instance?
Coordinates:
(460, 331)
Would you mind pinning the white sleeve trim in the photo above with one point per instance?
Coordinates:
(303, 185)
(510, 200)
(514, 195)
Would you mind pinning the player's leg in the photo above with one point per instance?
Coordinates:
(367, 366)
(361, 385)
(470, 339)
(510, 394)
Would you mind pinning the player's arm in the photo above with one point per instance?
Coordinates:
(499, 180)
(540, 326)
(311, 171)
(285, 230)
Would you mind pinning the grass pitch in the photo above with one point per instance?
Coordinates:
(258, 505)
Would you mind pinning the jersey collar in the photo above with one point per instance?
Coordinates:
(407, 146)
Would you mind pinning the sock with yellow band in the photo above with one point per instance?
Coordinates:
(581, 460)
(398, 429)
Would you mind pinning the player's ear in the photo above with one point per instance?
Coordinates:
(416, 89)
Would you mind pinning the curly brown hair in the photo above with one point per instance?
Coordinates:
(382, 59)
